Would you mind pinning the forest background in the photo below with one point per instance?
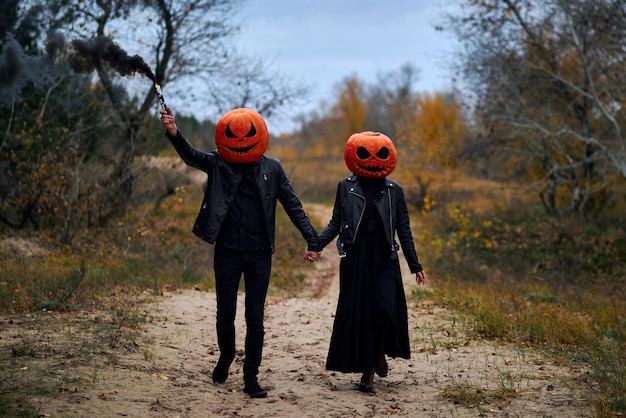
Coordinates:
(516, 178)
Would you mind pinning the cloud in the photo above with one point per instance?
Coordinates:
(322, 42)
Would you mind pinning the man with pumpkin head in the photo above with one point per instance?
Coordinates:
(238, 216)
(369, 211)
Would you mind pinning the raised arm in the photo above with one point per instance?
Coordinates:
(191, 155)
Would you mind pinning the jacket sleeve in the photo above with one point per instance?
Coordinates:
(334, 225)
(293, 207)
(403, 229)
(191, 155)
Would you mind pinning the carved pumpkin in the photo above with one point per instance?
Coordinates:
(241, 136)
(370, 154)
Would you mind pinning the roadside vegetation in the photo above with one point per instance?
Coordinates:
(517, 276)
(510, 273)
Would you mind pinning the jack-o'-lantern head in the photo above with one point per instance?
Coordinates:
(241, 136)
(370, 154)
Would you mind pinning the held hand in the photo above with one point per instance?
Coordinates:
(169, 121)
(420, 278)
(311, 255)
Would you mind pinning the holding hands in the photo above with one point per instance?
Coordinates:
(311, 255)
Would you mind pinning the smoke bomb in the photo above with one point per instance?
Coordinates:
(159, 93)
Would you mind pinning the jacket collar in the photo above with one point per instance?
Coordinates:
(355, 179)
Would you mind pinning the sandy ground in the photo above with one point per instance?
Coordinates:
(168, 374)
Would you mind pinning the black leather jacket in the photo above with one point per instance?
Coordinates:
(348, 211)
(222, 185)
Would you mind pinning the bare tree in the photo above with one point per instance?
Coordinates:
(391, 101)
(184, 38)
(550, 85)
(187, 43)
(251, 82)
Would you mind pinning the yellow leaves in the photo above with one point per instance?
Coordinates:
(459, 217)
(437, 130)
(436, 243)
(467, 230)
(427, 205)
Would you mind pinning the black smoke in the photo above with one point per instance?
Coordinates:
(89, 55)
(61, 57)
(10, 62)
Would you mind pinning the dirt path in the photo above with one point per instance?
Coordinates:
(169, 374)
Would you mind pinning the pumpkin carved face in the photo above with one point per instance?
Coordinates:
(370, 154)
(241, 136)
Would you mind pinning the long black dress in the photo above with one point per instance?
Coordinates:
(371, 311)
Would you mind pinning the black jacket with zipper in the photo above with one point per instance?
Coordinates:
(222, 185)
(348, 211)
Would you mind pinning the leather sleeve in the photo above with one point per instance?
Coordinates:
(403, 230)
(191, 155)
(334, 225)
(293, 207)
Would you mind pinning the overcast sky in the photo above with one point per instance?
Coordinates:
(321, 42)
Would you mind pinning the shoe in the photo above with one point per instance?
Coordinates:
(382, 369)
(367, 381)
(220, 372)
(254, 390)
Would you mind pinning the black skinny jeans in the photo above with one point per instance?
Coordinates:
(255, 266)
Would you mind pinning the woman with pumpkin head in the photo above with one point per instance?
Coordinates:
(238, 215)
(369, 211)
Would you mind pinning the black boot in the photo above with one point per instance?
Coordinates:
(252, 388)
(220, 372)
(367, 381)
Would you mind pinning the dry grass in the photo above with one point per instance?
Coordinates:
(517, 276)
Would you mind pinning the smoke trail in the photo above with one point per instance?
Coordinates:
(84, 56)
(17, 68)
(89, 55)
(10, 62)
